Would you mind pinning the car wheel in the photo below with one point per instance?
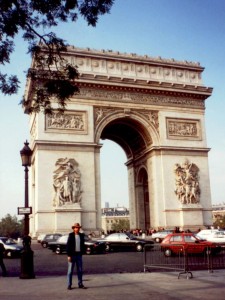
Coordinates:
(58, 250)
(44, 245)
(139, 247)
(107, 248)
(167, 252)
(157, 240)
(88, 250)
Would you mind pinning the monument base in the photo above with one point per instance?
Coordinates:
(186, 217)
(67, 214)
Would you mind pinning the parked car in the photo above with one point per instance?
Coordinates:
(124, 241)
(215, 237)
(12, 248)
(176, 243)
(92, 247)
(204, 233)
(50, 238)
(41, 237)
(160, 235)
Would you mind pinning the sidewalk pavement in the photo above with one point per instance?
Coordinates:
(125, 286)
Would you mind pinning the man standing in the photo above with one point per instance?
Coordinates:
(75, 248)
(2, 251)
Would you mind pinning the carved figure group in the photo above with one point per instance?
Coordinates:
(66, 182)
(66, 121)
(182, 129)
(187, 183)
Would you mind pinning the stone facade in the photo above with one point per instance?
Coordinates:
(154, 109)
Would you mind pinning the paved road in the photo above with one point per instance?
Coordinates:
(103, 281)
(48, 263)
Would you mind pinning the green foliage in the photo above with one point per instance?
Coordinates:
(11, 226)
(121, 225)
(32, 18)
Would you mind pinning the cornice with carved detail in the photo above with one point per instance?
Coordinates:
(129, 96)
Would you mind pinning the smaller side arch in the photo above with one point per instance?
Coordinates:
(142, 198)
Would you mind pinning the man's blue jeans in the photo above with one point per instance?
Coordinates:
(75, 260)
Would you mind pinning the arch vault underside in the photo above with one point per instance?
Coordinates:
(154, 109)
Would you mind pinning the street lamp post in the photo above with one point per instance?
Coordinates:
(27, 266)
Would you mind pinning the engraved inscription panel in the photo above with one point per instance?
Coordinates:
(183, 129)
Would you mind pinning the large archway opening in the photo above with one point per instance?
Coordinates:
(132, 141)
(114, 181)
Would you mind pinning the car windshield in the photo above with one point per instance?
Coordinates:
(62, 239)
(131, 236)
(199, 238)
(8, 241)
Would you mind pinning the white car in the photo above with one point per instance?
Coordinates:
(40, 237)
(160, 235)
(205, 233)
(216, 237)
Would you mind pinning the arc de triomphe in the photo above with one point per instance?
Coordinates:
(154, 109)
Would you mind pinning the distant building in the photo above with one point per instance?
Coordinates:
(106, 204)
(218, 211)
(111, 216)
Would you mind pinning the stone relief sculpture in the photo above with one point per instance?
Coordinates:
(100, 113)
(139, 98)
(183, 128)
(187, 183)
(66, 182)
(66, 121)
(152, 117)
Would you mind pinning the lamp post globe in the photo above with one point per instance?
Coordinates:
(26, 154)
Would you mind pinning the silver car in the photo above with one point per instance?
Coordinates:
(124, 241)
(160, 235)
(12, 248)
(215, 236)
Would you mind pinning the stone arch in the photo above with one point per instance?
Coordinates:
(114, 125)
(154, 109)
(142, 198)
(134, 134)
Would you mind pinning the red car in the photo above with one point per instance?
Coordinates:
(177, 243)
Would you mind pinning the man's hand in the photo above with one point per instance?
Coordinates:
(69, 259)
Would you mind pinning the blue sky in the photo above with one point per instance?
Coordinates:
(192, 30)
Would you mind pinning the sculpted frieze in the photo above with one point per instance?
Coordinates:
(69, 121)
(183, 129)
(187, 187)
(129, 97)
(66, 182)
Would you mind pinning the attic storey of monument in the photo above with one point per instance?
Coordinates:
(154, 109)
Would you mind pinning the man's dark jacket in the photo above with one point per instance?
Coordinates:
(71, 243)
